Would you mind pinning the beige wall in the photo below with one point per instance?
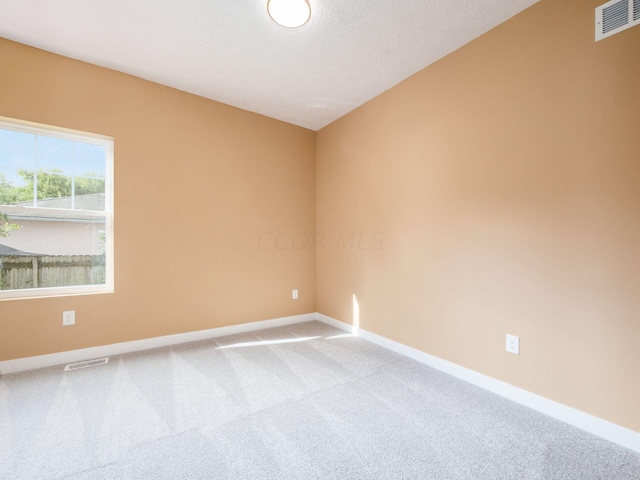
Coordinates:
(196, 183)
(503, 187)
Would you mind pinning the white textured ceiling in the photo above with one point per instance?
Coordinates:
(232, 52)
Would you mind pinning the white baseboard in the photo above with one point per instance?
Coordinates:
(41, 361)
(584, 421)
(336, 323)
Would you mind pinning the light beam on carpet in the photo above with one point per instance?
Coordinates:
(267, 342)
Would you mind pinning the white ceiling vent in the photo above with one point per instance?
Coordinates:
(616, 16)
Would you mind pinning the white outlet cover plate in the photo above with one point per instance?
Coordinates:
(69, 318)
(294, 294)
(513, 344)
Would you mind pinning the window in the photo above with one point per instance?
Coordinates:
(56, 211)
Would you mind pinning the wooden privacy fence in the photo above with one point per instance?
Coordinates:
(17, 272)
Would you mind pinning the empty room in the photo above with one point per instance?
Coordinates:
(319, 239)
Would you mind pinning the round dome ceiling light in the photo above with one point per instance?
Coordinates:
(289, 13)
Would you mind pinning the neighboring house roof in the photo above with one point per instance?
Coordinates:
(92, 201)
(12, 252)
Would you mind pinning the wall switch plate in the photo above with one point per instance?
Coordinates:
(513, 344)
(294, 294)
(69, 318)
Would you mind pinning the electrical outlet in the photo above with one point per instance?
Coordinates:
(513, 344)
(69, 318)
(294, 294)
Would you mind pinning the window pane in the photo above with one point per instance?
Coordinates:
(61, 250)
(17, 149)
(14, 189)
(90, 160)
(54, 155)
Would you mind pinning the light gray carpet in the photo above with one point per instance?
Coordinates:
(299, 402)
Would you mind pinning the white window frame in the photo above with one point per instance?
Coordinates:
(33, 128)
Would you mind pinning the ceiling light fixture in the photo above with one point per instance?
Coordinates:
(289, 13)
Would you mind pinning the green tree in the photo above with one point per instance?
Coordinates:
(53, 184)
(5, 226)
(87, 186)
(9, 194)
